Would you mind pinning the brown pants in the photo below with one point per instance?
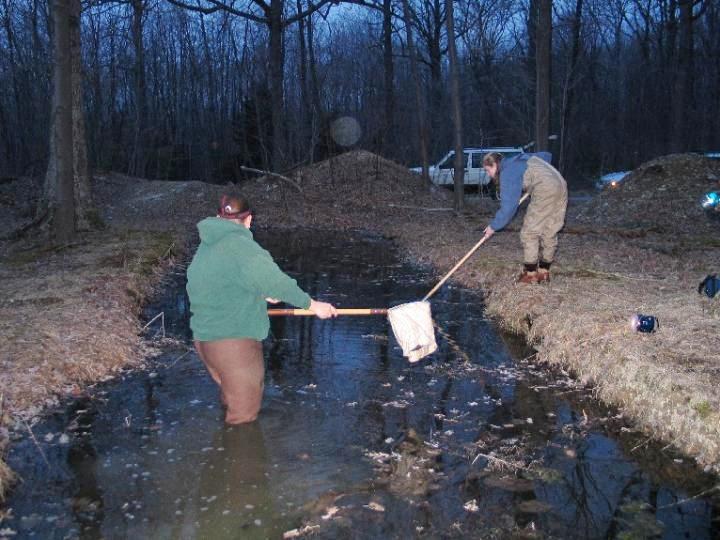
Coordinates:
(237, 366)
(544, 218)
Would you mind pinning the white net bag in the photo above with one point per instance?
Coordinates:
(412, 325)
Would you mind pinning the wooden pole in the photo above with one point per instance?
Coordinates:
(465, 258)
(342, 311)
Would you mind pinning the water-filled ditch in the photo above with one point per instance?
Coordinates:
(353, 441)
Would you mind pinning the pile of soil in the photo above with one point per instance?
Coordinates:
(342, 192)
(360, 178)
(346, 191)
(662, 195)
(136, 203)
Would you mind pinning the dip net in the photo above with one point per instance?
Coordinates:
(413, 327)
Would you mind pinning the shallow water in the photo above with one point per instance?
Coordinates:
(352, 441)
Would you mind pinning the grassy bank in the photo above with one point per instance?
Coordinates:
(667, 381)
(68, 317)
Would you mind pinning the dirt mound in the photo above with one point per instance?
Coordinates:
(362, 185)
(155, 204)
(663, 195)
(358, 182)
(361, 177)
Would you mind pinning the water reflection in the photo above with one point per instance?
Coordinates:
(234, 494)
(352, 441)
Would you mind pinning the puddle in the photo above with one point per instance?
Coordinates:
(352, 440)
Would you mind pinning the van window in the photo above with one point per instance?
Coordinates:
(476, 161)
(449, 162)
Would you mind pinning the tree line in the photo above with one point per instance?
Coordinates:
(197, 89)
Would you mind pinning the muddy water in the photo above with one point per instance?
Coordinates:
(352, 441)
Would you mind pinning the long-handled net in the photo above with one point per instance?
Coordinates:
(412, 322)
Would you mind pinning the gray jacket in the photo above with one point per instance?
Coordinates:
(512, 172)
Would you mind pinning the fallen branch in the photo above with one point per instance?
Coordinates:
(701, 494)
(37, 445)
(270, 173)
(160, 316)
(40, 221)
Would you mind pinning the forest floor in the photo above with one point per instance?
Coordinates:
(68, 317)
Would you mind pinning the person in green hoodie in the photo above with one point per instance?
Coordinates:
(229, 281)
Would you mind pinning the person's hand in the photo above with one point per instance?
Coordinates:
(323, 310)
(489, 231)
(272, 300)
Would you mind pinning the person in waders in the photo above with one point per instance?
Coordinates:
(545, 215)
(229, 281)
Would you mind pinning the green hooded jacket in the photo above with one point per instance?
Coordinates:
(228, 280)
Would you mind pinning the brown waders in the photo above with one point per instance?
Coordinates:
(237, 366)
(545, 216)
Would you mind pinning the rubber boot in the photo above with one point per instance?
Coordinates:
(529, 277)
(544, 271)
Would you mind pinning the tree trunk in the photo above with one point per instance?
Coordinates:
(570, 82)
(532, 26)
(314, 87)
(435, 52)
(138, 161)
(420, 105)
(459, 174)
(85, 215)
(277, 61)
(389, 73)
(304, 114)
(683, 95)
(16, 144)
(542, 75)
(59, 198)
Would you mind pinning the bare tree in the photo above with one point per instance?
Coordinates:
(431, 23)
(272, 15)
(569, 84)
(459, 174)
(542, 74)
(389, 73)
(138, 160)
(85, 213)
(419, 101)
(648, 72)
(683, 101)
(59, 204)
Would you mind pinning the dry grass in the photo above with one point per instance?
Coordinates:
(68, 317)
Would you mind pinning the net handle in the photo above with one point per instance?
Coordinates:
(342, 311)
(465, 258)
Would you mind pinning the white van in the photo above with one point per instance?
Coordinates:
(442, 174)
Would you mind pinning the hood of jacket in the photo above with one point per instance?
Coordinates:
(214, 229)
(524, 157)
